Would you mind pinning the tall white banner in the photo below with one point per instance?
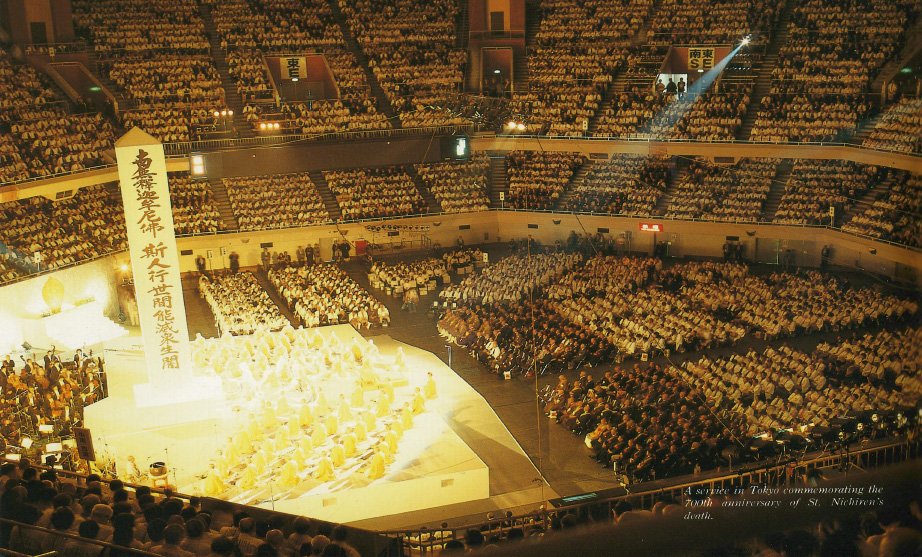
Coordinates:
(154, 258)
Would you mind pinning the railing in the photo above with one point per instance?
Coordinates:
(389, 245)
(59, 48)
(425, 541)
(265, 140)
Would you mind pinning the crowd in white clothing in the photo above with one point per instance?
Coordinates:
(459, 187)
(815, 186)
(893, 215)
(38, 135)
(411, 51)
(240, 305)
(511, 279)
(374, 192)
(276, 201)
(716, 192)
(713, 22)
(538, 179)
(37, 234)
(625, 185)
(194, 209)
(820, 80)
(324, 294)
(899, 129)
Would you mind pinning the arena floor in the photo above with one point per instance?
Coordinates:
(562, 457)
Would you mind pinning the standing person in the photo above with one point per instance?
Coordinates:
(825, 253)
(266, 259)
(681, 87)
(300, 256)
(234, 262)
(200, 264)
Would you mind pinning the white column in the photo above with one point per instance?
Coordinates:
(154, 258)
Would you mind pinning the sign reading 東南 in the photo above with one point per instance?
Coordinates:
(154, 257)
(701, 58)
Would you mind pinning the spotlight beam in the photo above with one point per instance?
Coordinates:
(666, 119)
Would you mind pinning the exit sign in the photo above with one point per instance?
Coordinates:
(650, 227)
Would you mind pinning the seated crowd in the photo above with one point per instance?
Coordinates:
(275, 201)
(714, 22)
(402, 276)
(820, 82)
(324, 294)
(251, 30)
(710, 115)
(815, 186)
(158, 54)
(900, 128)
(634, 306)
(715, 192)
(785, 388)
(374, 192)
(893, 215)
(538, 179)
(459, 187)
(38, 135)
(580, 47)
(239, 304)
(626, 185)
(631, 110)
(412, 53)
(37, 234)
(141, 520)
(194, 209)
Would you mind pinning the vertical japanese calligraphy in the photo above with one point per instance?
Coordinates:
(154, 257)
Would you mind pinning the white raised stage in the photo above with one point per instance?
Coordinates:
(319, 422)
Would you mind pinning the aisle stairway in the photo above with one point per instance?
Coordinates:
(578, 178)
(383, 104)
(232, 96)
(672, 184)
(432, 204)
(867, 200)
(611, 94)
(326, 194)
(764, 76)
(222, 201)
(776, 192)
(96, 69)
(498, 181)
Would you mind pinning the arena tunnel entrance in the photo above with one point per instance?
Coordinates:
(302, 77)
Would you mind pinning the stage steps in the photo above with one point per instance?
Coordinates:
(776, 192)
(383, 103)
(498, 181)
(222, 201)
(326, 194)
(232, 97)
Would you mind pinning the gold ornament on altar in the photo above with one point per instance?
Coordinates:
(53, 294)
